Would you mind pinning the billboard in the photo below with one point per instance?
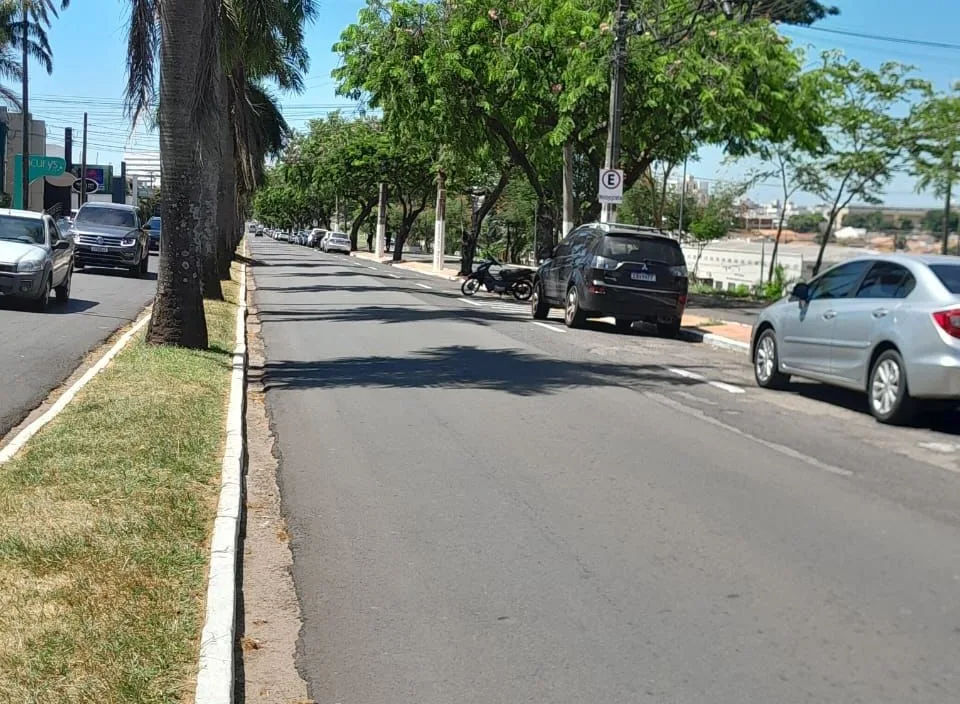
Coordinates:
(101, 175)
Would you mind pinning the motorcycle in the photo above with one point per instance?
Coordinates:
(516, 282)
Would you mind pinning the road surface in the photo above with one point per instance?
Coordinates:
(39, 350)
(484, 509)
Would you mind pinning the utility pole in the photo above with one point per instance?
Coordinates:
(567, 188)
(25, 156)
(382, 221)
(83, 163)
(608, 212)
(440, 223)
(683, 194)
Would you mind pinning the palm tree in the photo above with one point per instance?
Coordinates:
(185, 35)
(29, 35)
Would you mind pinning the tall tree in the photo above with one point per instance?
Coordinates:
(934, 150)
(184, 33)
(866, 138)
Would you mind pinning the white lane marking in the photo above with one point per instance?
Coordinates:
(14, 446)
(471, 302)
(393, 276)
(686, 374)
(548, 326)
(776, 447)
(372, 267)
(429, 288)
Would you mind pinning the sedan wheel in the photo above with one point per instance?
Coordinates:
(63, 290)
(42, 303)
(766, 363)
(539, 307)
(890, 400)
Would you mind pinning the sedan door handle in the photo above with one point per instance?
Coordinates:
(830, 315)
(881, 313)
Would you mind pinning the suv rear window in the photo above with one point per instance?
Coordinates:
(630, 248)
(949, 275)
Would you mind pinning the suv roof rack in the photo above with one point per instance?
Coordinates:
(639, 229)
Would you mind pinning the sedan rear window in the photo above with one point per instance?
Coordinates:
(949, 275)
(640, 249)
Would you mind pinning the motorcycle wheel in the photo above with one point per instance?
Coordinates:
(522, 290)
(470, 287)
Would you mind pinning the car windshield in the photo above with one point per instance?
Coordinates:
(26, 230)
(337, 236)
(643, 249)
(111, 217)
(949, 275)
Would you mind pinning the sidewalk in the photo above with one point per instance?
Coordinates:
(718, 331)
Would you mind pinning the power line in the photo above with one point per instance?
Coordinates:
(882, 38)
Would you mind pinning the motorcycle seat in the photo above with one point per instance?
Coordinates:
(514, 273)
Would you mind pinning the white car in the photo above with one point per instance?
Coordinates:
(35, 258)
(335, 242)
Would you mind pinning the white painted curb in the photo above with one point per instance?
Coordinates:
(14, 446)
(216, 671)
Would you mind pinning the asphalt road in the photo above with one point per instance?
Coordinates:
(484, 509)
(39, 350)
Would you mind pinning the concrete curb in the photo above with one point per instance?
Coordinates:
(16, 444)
(215, 676)
(717, 340)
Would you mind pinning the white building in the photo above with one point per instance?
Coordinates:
(727, 264)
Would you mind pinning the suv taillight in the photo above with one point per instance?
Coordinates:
(949, 321)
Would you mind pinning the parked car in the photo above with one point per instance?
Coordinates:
(632, 274)
(35, 258)
(335, 242)
(315, 237)
(154, 229)
(887, 325)
(111, 235)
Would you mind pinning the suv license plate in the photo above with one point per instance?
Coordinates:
(99, 250)
(640, 276)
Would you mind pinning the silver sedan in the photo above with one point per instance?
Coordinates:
(888, 325)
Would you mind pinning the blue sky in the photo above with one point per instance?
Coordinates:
(90, 53)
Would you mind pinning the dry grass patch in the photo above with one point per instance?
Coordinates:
(104, 520)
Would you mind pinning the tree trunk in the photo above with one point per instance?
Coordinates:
(228, 206)
(826, 238)
(946, 221)
(178, 316)
(545, 228)
(468, 239)
(776, 243)
(365, 209)
(211, 167)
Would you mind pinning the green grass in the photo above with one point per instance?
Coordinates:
(104, 519)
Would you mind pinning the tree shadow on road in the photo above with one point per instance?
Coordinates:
(463, 367)
(382, 314)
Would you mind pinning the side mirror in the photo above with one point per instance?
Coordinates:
(62, 244)
(801, 292)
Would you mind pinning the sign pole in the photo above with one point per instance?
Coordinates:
(83, 164)
(25, 70)
(608, 212)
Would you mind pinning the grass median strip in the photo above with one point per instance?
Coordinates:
(104, 519)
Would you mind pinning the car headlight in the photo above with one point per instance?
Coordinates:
(128, 242)
(30, 265)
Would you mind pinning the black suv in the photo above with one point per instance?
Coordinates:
(630, 273)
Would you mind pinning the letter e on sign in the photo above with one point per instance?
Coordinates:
(611, 186)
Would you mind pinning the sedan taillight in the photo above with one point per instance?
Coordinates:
(949, 321)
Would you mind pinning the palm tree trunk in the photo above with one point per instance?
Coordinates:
(212, 167)
(178, 317)
(228, 205)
